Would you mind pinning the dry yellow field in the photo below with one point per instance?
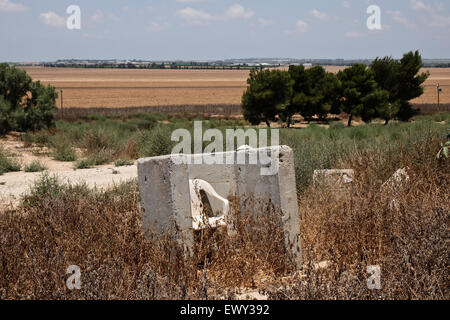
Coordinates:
(439, 76)
(113, 88)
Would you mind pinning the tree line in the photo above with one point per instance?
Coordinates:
(382, 90)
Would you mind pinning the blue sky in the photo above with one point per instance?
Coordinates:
(33, 30)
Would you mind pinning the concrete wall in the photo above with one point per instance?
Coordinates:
(165, 197)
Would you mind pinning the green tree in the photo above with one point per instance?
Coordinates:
(403, 82)
(410, 83)
(24, 104)
(267, 95)
(315, 92)
(299, 99)
(7, 121)
(323, 94)
(361, 95)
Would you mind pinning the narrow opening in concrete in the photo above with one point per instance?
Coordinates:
(206, 205)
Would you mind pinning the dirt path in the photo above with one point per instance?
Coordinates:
(14, 184)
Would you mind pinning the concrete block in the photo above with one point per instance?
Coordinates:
(397, 181)
(336, 179)
(168, 201)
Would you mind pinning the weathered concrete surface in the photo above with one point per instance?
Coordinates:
(279, 188)
(218, 206)
(165, 201)
(398, 180)
(336, 179)
(165, 194)
(394, 185)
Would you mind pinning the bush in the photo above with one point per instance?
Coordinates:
(83, 164)
(24, 104)
(95, 140)
(95, 159)
(41, 137)
(35, 166)
(63, 150)
(7, 164)
(123, 162)
(155, 143)
(101, 157)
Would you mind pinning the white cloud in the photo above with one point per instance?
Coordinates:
(239, 12)
(440, 21)
(319, 15)
(52, 19)
(8, 6)
(266, 22)
(156, 26)
(98, 16)
(193, 16)
(200, 17)
(419, 5)
(398, 17)
(300, 27)
(353, 35)
(113, 17)
(435, 19)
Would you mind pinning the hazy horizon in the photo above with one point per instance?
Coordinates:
(207, 30)
(206, 60)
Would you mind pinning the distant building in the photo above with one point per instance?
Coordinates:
(307, 65)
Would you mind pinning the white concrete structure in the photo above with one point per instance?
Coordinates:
(336, 179)
(397, 181)
(169, 187)
(219, 205)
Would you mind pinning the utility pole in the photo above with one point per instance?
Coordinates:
(62, 106)
(439, 90)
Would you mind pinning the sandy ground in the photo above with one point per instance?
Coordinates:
(14, 184)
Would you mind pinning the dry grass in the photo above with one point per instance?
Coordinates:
(58, 226)
(408, 239)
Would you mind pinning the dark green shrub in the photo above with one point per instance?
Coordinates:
(24, 105)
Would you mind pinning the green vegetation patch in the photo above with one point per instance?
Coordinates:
(7, 164)
(35, 166)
